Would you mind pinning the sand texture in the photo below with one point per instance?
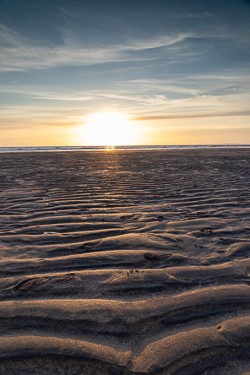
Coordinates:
(125, 262)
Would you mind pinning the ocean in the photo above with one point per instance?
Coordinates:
(101, 148)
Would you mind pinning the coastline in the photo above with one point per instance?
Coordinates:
(117, 148)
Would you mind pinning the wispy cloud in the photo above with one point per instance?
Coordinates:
(173, 45)
(192, 115)
(51, 94)
(18, 54)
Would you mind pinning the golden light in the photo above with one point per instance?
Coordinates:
(107, 129)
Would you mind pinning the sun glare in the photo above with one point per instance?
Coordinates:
(108, 129)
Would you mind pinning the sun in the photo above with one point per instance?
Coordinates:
(108, 129)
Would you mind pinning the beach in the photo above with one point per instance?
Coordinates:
(125, 262)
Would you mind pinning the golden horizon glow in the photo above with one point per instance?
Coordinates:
(107, 129)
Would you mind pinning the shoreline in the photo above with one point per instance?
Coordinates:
(117, 148)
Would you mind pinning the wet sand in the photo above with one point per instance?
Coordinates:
(125, 262)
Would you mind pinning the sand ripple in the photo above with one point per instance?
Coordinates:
(125, 262)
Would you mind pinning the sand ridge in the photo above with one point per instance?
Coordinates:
(125, 262)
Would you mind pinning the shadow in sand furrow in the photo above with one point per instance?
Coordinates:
(70, 365)
(49, 213)
(16, 203)
(135, 320)
(113, 282)
(33, 288)
(126, 259)
(94, 253)
(232, 231)
(67, 364)
(189, 352)
(52, 212)
(64, 226)
(119, 330)
(89, 256)
(239, 251)
(61, 250)
(153, 289)
(50, 238)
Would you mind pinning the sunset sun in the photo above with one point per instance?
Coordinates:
(108, 129)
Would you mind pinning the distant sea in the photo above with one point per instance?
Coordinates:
(101, 148)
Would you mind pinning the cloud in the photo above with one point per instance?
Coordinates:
(28, 116)
(18, 54)
(84, 36)
(51, 94)
(23, 57)
(145, 103)
(192, 115)
(225, 83)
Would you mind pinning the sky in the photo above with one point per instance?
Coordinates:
(76, 72)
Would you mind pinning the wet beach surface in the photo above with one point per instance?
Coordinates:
(125, 262)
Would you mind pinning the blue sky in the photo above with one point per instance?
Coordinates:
(179, 69)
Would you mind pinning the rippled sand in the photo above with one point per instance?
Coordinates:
(125, 262)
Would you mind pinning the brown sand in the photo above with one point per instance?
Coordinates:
(125, 262)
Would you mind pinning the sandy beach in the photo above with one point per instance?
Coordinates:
(125, 262)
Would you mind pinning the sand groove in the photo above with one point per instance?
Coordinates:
(125, 262)
(232, 336)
